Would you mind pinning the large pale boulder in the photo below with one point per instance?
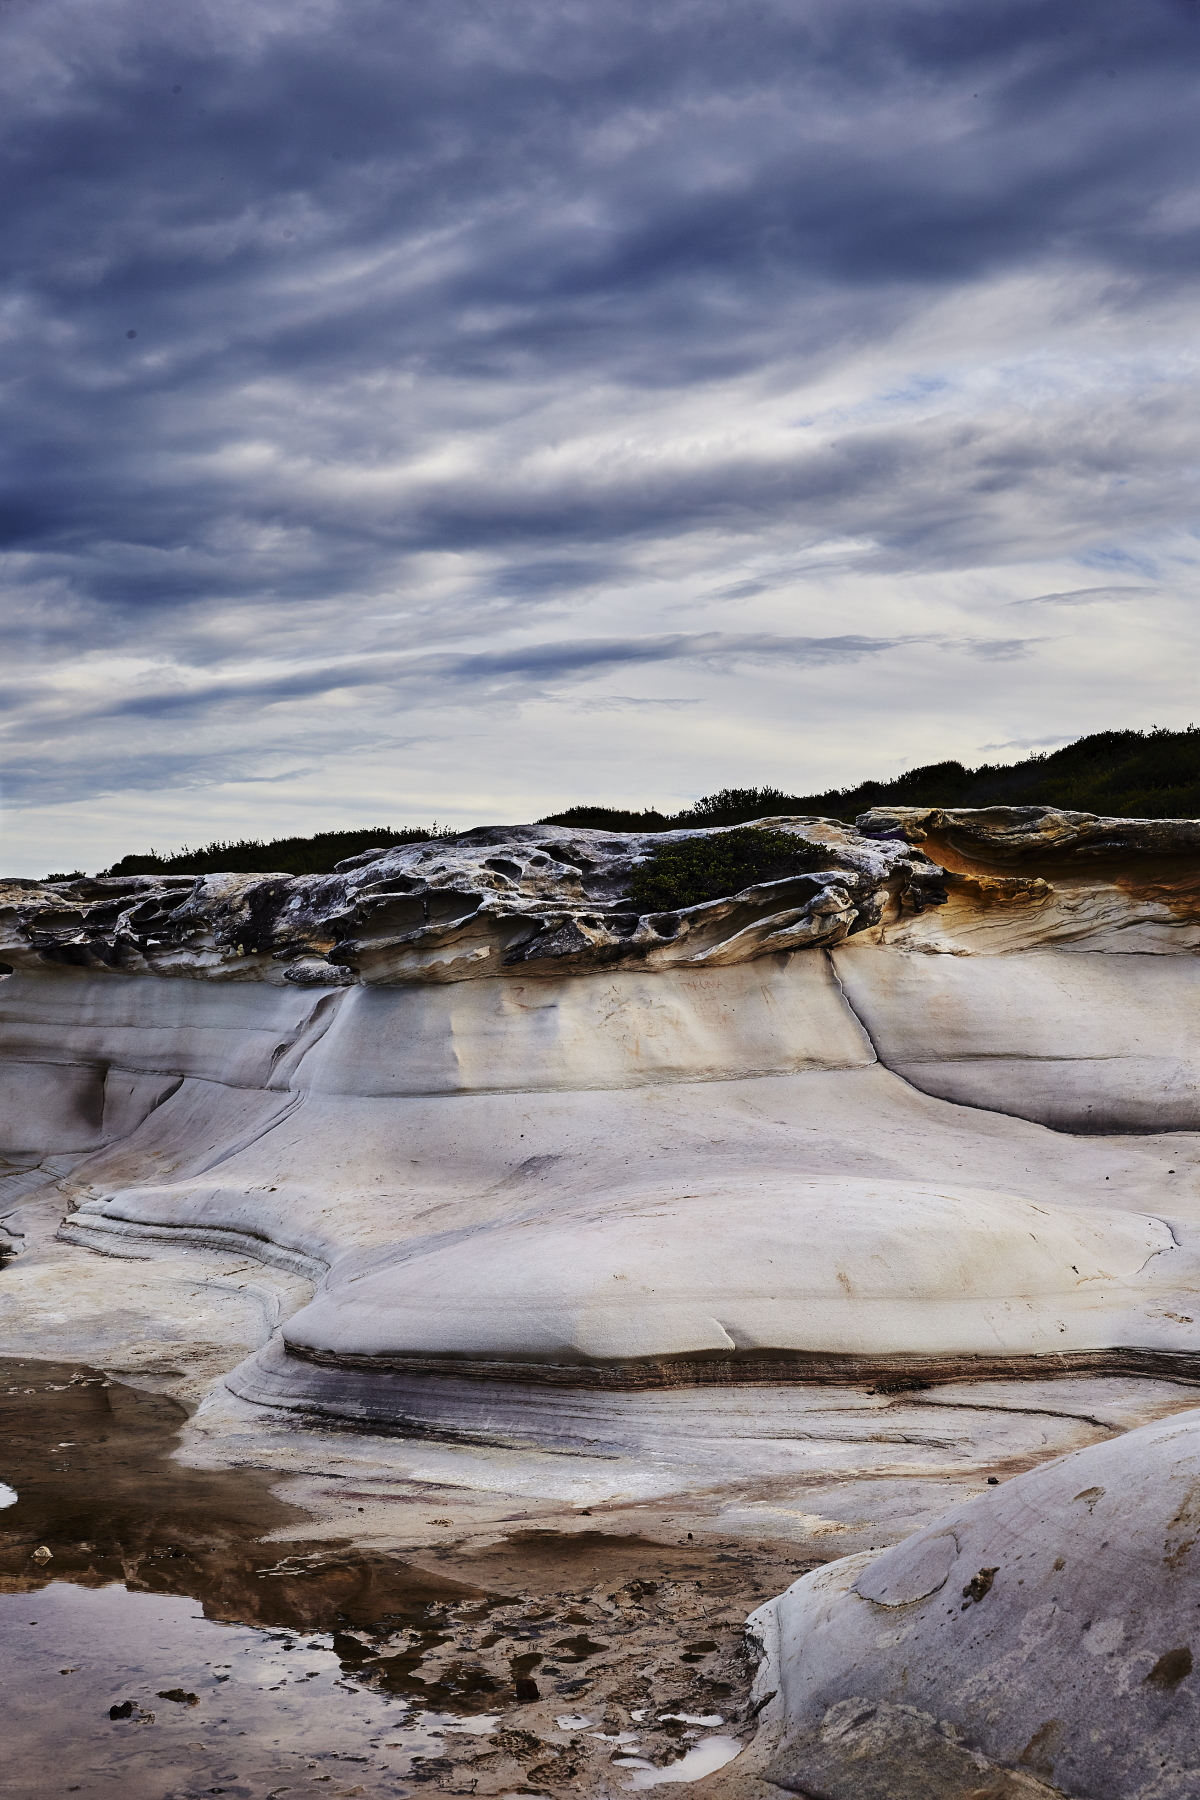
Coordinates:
(1051, 1626)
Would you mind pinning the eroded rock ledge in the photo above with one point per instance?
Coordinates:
(540, 898)
(1033, 833)
(501, 897)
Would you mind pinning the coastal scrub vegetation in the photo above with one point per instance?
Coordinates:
(687, 871)
(288, 855)
(1151, 774)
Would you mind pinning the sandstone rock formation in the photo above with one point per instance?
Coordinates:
(541, 1176)
(537, 898)
(1050, 1625)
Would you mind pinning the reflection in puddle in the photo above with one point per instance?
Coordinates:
(152, 1643)
(704, 1758)
(199, 1707)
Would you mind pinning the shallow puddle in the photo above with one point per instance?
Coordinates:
(152, 1644)
(201, 1708)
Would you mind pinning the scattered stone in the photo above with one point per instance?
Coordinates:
(870, 1750)
(978, 1586)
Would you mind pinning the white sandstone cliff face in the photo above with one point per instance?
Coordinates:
(341, 1069)
(543, 1172)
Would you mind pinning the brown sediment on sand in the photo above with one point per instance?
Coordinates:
(91, 1462)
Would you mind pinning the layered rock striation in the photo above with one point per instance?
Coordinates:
(537, 898)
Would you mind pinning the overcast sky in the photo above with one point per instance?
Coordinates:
(464, 408)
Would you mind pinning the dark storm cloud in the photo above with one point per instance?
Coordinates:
(303, 296)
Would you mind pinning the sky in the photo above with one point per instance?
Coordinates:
(462, 409)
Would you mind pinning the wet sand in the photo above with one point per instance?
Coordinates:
(590, 1662)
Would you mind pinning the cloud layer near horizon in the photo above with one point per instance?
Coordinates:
(465, 409)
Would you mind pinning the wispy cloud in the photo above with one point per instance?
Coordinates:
(1087, 596)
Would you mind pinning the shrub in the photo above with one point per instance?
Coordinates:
(1151, 774)
(692, 870)
(314, 855)
(608, 818)
(736, 806)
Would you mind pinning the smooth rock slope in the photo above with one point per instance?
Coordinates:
(365, 1075)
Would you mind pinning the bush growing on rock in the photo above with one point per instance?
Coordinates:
(314, 855)
(692, 870)
(1151, 774)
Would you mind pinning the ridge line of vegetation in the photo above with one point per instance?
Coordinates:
(1151, 774)
(314, 855)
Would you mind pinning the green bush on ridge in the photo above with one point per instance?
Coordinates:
(1151, 774)
(289, 855)
(691, 870)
